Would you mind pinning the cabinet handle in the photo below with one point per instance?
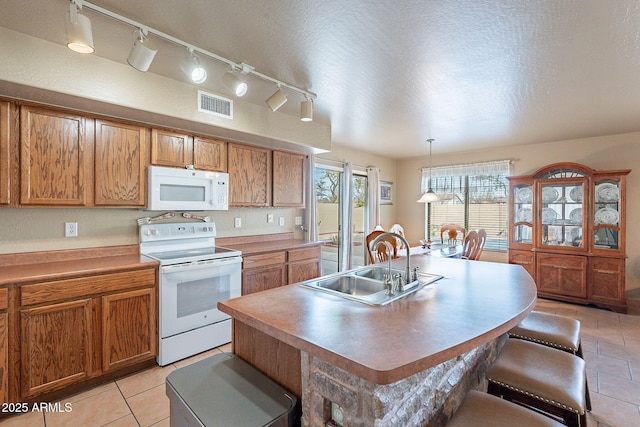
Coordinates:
(562, 267)
(605, 271)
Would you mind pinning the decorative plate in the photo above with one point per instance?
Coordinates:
(576, 194)
(607, 193)
(523, 194)
(576, 216)
(607, 216)
(524, 215)
(548, 215)
(549, 195)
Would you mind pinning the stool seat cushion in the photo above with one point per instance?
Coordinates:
(484, 410)
(550, 330)
(544, 373)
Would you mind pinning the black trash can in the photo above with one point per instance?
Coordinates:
(224, 390)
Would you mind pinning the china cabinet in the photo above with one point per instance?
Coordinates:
(567, 229)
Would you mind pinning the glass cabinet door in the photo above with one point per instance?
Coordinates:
(561, 214)
(523, 214)
(606, 218)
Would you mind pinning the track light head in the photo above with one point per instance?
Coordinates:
(142, 52)
(78, 29)
(306, 110)
(277, 100)
(193, 69)
(235, 83)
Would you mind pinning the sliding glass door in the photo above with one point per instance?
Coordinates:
(330, 199)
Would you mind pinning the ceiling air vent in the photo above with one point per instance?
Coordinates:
(214, 104)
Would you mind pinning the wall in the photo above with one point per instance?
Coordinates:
(601, 153)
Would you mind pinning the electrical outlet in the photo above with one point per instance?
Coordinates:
(270, 218)
(281, 221)
(298, 220)
(70, 229)
(238, 222)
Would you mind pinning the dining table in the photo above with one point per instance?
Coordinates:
(435, 249)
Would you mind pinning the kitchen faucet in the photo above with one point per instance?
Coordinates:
(388, 281)
(374, 245)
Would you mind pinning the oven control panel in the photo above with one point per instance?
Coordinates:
(184, 230)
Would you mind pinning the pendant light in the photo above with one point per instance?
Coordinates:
(429, 196)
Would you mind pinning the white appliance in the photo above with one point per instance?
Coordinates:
(187, 189)
(194, 275)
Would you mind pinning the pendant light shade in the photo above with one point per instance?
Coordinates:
(142, 52)
(78, 29)
(430, 195)
(306, 110)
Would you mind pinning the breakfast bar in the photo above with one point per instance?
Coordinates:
(409, 362)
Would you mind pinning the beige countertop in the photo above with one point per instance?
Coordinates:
(474, 303)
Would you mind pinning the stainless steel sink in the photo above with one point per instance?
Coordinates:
(366, 285)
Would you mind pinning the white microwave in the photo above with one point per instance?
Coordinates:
(173, 189)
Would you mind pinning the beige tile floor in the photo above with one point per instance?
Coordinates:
(611, 344)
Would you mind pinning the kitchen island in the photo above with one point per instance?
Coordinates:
(406, 363)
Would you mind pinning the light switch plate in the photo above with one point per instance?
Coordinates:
(270, 218)
(281, 221)
(237, 222)
(298, 220)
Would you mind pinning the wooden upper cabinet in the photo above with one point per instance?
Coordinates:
(120, 177)
(288, 179)
(249, 175)
(209, 154)
(55, 158)
(171, 149)
(5, 156)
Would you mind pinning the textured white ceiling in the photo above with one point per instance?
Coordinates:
(390, 74)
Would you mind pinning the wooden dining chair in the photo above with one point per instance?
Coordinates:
(380, 255)
(473, 244)
(452, 233)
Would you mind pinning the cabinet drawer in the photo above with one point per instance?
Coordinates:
(80, 287)
(306, 253)
(254, 261)
(4, 294)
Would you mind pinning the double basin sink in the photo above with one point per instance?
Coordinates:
(367, 284)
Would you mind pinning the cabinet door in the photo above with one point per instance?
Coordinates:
(303, 270)
(261, 279)
(607, 280)
(128, 328)
(288, 179)
(209, 154)
(120, 178)
(55, 158)
(525, 259)
(171, 149)
(56, 346)
(249, 176)
(562, 274)
(5, 156)
(4, 358)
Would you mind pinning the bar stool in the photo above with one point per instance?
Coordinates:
(549, 380)
(552, 330)
(484, 410)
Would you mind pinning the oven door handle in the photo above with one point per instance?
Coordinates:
(197, 265)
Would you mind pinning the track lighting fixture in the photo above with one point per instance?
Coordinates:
(80, 39)
(277, 100)
(78, 29)
(142, 52)
(235, 83)
(430, 195)
(306, 110)
(193, 69)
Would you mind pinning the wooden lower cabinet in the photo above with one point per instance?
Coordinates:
(123, 345)
(562, 275)
(524, 258)
(56, 346)
(607, 282)
(77, 331)
(304, 264)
